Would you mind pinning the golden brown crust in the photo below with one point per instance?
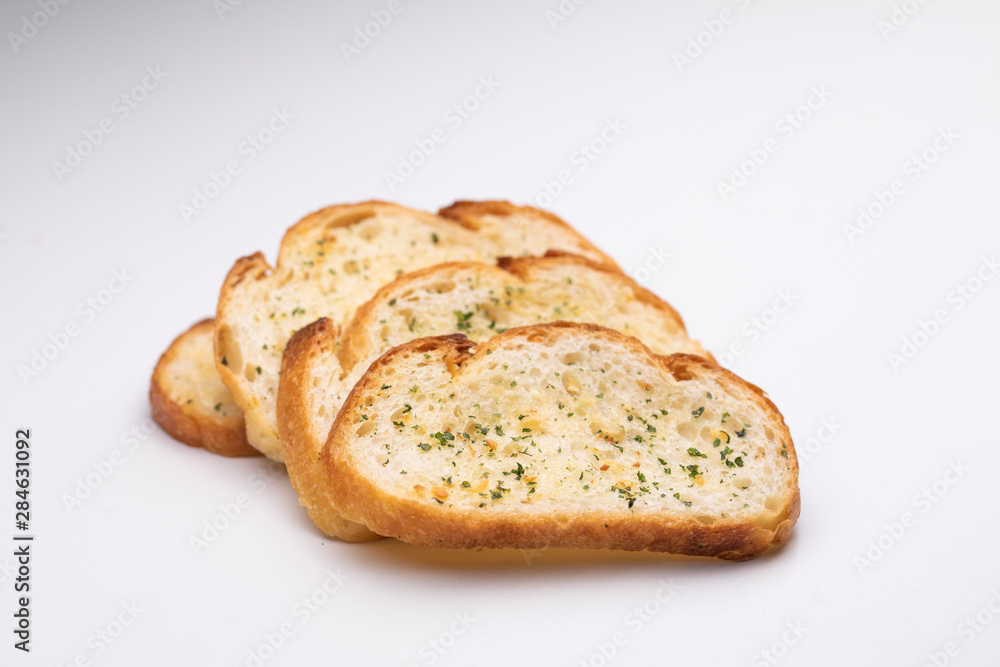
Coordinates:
(225, 436)
(311, 341)
(359, 499)
(469, 212)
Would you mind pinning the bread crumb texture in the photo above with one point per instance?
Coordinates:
(571, 418)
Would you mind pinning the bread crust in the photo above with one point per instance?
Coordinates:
(313, 340)
(468, 213)
(361, 500)
(185, 423)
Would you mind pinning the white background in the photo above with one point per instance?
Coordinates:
(654, 188)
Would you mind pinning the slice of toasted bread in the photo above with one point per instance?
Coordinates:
(322, 363)
(189, 400)
(562, 435)
(333, 261)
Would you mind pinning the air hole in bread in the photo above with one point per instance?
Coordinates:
(769, 433)
(561, 517)
(535, 372)
(441, 286)
(594, 347)
(772, 503)
(571, 382)
(351, 267)
(706, 519)
(687, 430)
(365, 428)
(741, 482)
(572, 358)
(250, 372)
(536, 338)
(370, 230)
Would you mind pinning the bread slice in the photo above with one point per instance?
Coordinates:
(322, 364)
(562, 435)
(333, 261)
(189, 400)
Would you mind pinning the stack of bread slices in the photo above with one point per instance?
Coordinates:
(483, 377)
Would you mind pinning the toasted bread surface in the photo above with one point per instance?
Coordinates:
(189, 400)
(476, 299)
(562, 435)
(336, 259)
